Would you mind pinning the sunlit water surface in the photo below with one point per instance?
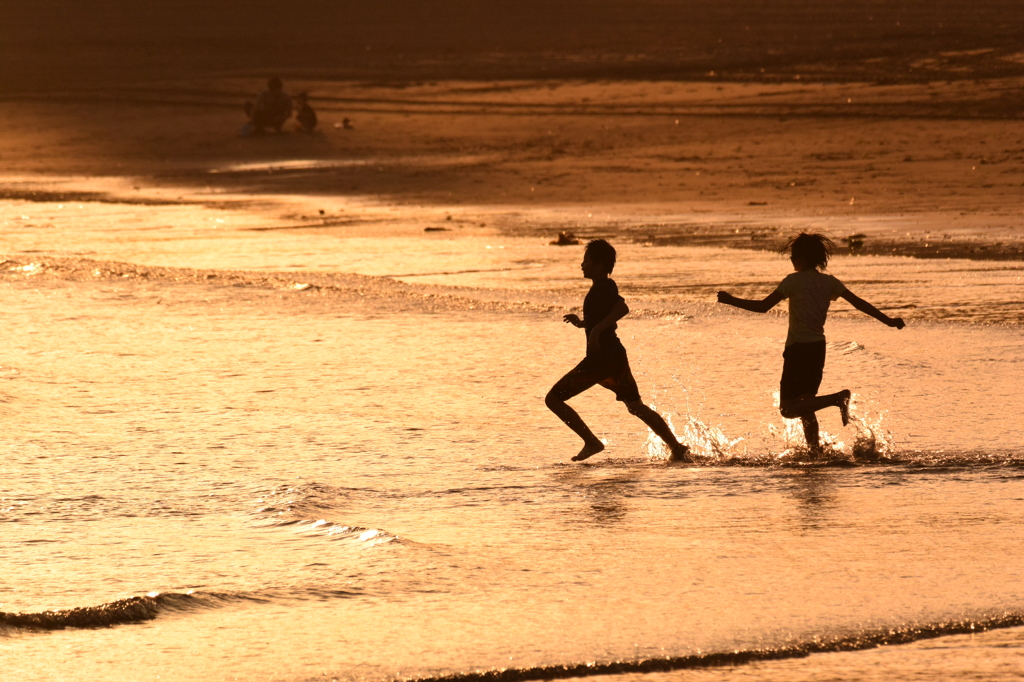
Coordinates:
(283, 482)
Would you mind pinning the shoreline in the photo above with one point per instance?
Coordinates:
(921, 236)
(918, 170)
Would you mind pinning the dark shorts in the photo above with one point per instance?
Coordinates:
(802, 367)
(611, 372)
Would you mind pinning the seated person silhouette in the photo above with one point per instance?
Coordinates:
(272, 108)
(305, 115)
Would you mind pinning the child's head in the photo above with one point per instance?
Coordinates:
(601, 252)
(810, 250)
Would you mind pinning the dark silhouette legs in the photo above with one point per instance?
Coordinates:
(805, 407)
(593, 445)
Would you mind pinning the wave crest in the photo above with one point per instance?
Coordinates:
(123, 611)
(858, 642)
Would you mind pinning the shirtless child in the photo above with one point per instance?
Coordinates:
(810, 292)
(606, 362)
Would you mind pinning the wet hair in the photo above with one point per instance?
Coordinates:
(602, 252)
(275, 83)
(811, 248)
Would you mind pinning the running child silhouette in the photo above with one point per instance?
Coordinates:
(810, 292)
(606, 362)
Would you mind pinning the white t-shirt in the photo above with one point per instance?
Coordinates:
(810, 293)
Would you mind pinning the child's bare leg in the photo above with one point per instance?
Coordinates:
(810, 423)
(572, 384)
(680, 452)
(591, 443)
(809, 404)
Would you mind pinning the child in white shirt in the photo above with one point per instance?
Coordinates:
(810, 292)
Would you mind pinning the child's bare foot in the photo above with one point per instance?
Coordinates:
(844, 405)
(680, 453)
(589, 450)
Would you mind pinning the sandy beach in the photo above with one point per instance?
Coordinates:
(274, 405)
(668, 163)
(703, 124)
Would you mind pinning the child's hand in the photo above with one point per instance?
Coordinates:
(594, 342)
(724, 297)
(573, 319)
(897, 322)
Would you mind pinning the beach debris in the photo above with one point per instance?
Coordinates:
(566, 239)
(435, 229)
(757, 203)
(855, 242)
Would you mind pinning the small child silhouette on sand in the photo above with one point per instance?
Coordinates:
(810, 292)
(606, 362)
(304, 114)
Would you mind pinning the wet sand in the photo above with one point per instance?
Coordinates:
(914, 167)
(664, 123)
(654, 123)
(113, 44)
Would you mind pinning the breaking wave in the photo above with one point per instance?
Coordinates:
(122, 611)
(293, 506)
(338, 531)
(139, 609)
(865, 640)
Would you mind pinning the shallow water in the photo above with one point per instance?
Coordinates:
(358, 478)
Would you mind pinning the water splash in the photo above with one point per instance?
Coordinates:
(794, 444)
(710, 445)
(873, 441)
(706, 442)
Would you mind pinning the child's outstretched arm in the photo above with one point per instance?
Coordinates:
(762, 306)
(868, 309)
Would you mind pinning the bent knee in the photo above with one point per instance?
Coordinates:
(553, 400)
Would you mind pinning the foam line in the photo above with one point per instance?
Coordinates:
(867, 640)
(122, 611)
